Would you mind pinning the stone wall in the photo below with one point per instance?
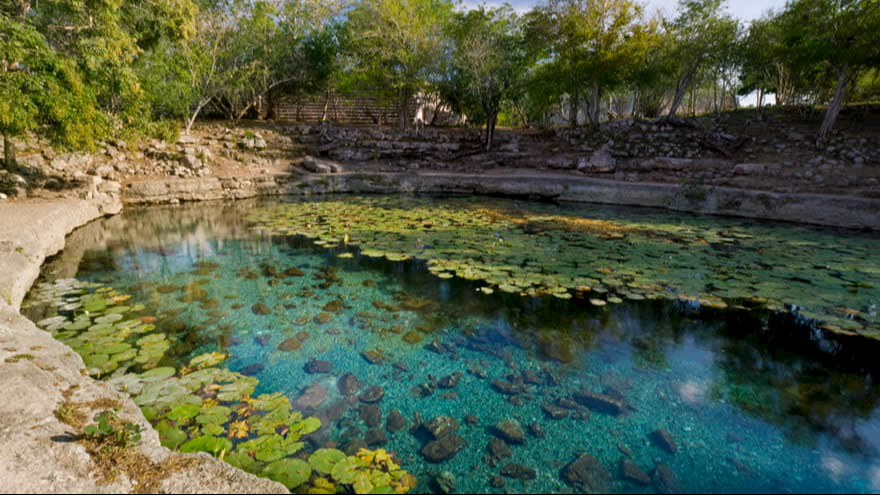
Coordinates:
(813, 209)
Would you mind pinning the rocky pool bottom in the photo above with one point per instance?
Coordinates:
(488, 393)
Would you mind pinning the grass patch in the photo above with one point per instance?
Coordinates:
(112, 444)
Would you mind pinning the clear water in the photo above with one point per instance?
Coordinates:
(754, 402)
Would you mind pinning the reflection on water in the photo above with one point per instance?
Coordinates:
(748, 401)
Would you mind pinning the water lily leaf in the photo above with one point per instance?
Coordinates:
(207, 360)
(323, 460)
(212, 445)
(184, 412)
(171, 437)
(291, 473)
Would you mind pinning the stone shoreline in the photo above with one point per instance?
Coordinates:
(38, 374)
(811, 209)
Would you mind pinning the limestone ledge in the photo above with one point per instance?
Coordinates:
(812, 209)
(38, 374)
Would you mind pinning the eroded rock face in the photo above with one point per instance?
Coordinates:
(320, 166)
(600, 162)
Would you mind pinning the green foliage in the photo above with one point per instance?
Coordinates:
(396, 45)
(489, 62)
(41, 91)
(109, 429)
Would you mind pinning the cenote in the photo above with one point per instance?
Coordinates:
(517, 347)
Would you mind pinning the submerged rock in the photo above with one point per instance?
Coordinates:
(375, 437)
(334, 306)
(348, 384)
(443, 449)
(370, 414)
(587, 475)
(373, 357)
(536, 430)
(252, 369)
(372, 395)
(554, 412)
(451, 381)
(261, 309)
(506, 388)
(629, 471)
(312, 398)
(441, 426)
(499, 449)
(290, 345)
(315, 367)
(510, 430)
(600, 403)
(664, 440)
(665, 481)
(532, 378)
(519, 472)
(395, 422)
(445, 482)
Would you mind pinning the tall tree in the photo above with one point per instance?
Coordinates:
(41, 91)
(699, 32)
(595, 46)
(838, 38)
(489, 64)
(397, 44)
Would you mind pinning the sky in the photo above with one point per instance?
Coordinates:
(746, 10)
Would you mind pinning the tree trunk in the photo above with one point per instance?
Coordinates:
(835, 106)
(192, 119)
(594, 104)
(404, 110)
(573, 109)
(491, 122)
(8, 152)
(326, 107)
(637, 102)
(681, 88)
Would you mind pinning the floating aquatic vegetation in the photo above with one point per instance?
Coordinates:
(202, 407)
(532, 250)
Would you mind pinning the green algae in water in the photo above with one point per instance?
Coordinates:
(751, 409)
(538, 250)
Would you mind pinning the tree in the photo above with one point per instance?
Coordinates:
(699, 32)
(106, 38)
(41, 91)
(595, 46)
(397, 44)
(489, 64)
(835, 38)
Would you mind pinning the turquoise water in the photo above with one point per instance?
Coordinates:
(754, 402)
